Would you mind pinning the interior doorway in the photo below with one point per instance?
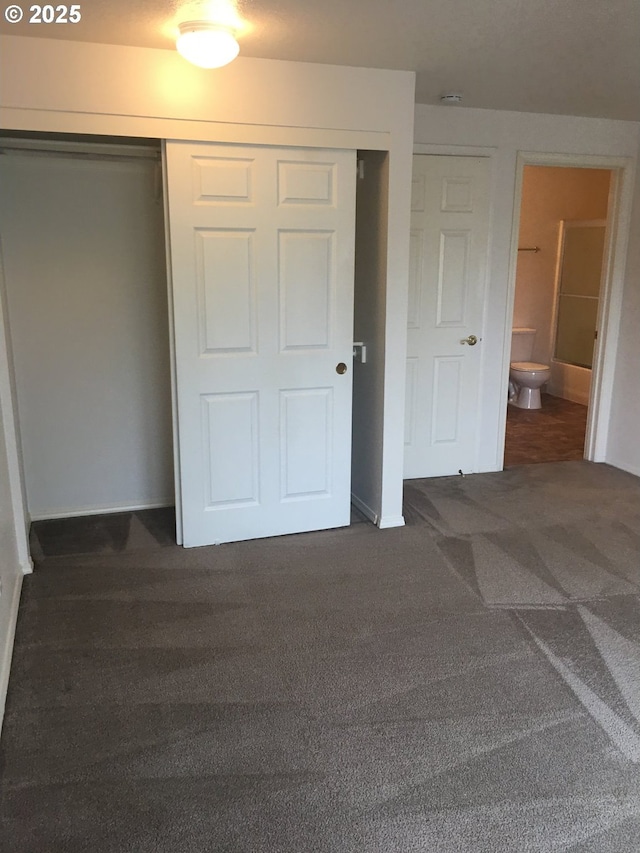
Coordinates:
(563, 249)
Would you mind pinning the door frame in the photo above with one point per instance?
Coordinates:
(10, 432)
(611, 291)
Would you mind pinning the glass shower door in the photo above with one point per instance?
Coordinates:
(582, 252)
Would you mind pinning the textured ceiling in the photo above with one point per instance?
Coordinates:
(575, 57)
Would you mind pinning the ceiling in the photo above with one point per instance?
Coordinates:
(572, 57)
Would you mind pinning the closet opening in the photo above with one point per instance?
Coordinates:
(83, 253)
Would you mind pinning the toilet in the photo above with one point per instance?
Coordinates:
(526, 377)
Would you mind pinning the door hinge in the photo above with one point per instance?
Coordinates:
(361, 169)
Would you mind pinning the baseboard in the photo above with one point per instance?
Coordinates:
(630, 469)
(570, 394)
(391, 521)
(364, 508)
(9, 603)
(99, 510)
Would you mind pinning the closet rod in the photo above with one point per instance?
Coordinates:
(131, 155)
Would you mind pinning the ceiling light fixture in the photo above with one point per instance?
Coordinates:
(207, 44)
(450, 99)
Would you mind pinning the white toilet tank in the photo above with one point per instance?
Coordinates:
(522, 339)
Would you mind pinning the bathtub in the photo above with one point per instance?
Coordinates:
(569, 382)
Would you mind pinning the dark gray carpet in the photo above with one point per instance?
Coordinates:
(470, 682)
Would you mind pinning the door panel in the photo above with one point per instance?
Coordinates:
(306, 313)
(262, 255)
(306, 419)
(230, 431)
(227, 316)
(453, 278)
(447, 390)
(449, 234)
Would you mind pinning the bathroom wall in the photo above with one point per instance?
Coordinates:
(550, 194)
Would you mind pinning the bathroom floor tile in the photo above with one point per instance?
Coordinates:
(554, 433)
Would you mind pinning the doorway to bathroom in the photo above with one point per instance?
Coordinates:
(562, 258)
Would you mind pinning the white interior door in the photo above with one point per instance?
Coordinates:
(448, 262)
(262, 256)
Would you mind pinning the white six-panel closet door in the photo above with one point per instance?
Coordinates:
(262, 260)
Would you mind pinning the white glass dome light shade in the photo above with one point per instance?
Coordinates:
(206, 44)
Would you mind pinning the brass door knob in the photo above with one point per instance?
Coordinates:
(341, 368)
(471, 340)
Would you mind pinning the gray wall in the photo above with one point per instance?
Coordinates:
(369, 327)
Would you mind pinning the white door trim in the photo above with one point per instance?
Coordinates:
(18, 563)
(10, 425)
(195, 130)
(610, 311)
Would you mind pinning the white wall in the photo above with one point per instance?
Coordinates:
(14, 552)
(85, 275)
(72, 87)
(449, 130)
(624, 447)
